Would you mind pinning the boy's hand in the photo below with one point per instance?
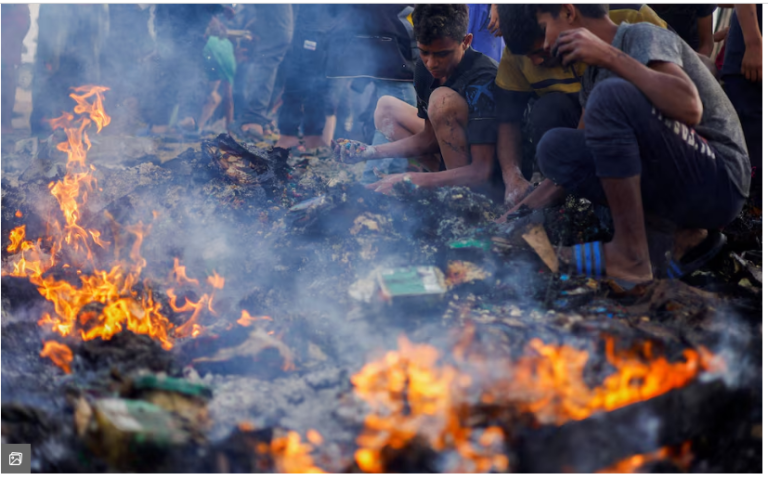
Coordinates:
(581, 45)
(752, 63)
(493, 24)
(386, 184)
(352, 151)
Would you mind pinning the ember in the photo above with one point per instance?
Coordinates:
(680, 456)
(59, 354)
(293, 456)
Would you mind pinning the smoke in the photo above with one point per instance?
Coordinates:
(739, 348)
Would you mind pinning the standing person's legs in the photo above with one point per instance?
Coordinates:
(747, 99)
(402, 91)
(274, 25)
(290, 115)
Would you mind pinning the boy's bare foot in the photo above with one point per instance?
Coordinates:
(686, 239)
(287, 142)
(254, 128)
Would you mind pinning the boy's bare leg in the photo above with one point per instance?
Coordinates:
(330, 127)
(626, 256)
(229, 112)
(213, 101)
(448, 113)
(396, 120)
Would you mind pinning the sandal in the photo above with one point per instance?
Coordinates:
(589, 260)
(698, 256)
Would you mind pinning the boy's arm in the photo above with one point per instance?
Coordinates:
(752, 63)
(665, 84)
(546, 194)
(475, 174)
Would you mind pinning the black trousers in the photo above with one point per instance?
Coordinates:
(307, 90)
(682, 178)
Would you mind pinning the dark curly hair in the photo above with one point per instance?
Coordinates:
(435, 21)
(520, 27)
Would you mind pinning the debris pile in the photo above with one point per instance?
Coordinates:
(234, 309)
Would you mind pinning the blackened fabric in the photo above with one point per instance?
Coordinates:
(682, 179)
(474, 80)
(734, 44)
(719, 123)
(684, 18)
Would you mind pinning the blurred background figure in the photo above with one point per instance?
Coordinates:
(485, 40)
(271, 28)
(15, 24)
(69, 45)
(375, 44)
(742, 76)
(178, 63)
(220, 68)
(124, 67)
(307, 100)
(692, 22)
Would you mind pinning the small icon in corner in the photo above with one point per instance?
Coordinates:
(15, 458)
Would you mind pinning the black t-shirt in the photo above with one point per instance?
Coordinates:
(474, 80)
(684, 18)
(735, 46)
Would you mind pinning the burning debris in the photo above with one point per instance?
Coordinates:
(213, 311)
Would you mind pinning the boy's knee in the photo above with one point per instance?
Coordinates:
(385, 111)
(555, 154)
(547, 152)
(553, 110)
(447, 106)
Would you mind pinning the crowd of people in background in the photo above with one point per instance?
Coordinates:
(624, 105)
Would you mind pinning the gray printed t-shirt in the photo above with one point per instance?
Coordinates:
(719, 124)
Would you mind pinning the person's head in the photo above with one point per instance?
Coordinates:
(532, 29)
(441, 36)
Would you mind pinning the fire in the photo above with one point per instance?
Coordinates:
(111, 298)
(410, 395)
(293, 456)
(59, 354)
(246, 318)
(17, 236)
(680, 456)
(18, 214)
(550, 383)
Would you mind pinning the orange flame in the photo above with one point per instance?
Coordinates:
(435, 411)
(59, 354)
(18, 214)
(293, 456)
(246, 318)
(108, 300)
(680, 456)
(17, 236)
(550, 384)
(179, 274)
(411, 395)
